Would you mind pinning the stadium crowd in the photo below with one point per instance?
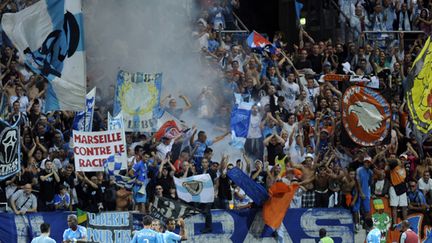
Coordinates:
(296, 119)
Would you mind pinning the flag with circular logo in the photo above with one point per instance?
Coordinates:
(365, 115)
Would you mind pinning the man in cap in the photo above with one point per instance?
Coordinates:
(308, 168)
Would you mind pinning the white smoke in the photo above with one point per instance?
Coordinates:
(148, 36)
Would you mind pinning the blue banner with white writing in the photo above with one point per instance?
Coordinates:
(228, 226)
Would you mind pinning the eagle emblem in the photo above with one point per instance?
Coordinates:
(365, 115)
(369, 117)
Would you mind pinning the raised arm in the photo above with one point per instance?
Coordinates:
(182, 232)
(186, 101)
(221, 137)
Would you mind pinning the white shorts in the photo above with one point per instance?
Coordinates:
(397, 201)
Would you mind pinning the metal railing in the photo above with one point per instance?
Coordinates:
(385, 38)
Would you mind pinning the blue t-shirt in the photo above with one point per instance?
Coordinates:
(147, 236)
(416, 197)
(364, 176)
(141, 170)
(374, 236)
(58, 200)
(79, 233)
(199, 152)
(171, 237)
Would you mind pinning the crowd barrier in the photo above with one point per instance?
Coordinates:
(299, 225)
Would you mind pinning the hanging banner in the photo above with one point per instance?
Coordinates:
(91, 149)
(112, 227)
(365, 115)
(10, 162)
(299, 225)
(138, 98)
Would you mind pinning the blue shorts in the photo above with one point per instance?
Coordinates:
(365, 203)
(139, 197)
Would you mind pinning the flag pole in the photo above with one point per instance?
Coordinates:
(289, 61)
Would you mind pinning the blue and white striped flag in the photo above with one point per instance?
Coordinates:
(50, 39)
(240, 119)
(197, 188)
(113, 168)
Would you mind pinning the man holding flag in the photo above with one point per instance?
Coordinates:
(140, 170)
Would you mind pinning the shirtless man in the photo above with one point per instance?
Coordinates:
(308, 168)
(349, 183)
(321, 184)
(123, 199)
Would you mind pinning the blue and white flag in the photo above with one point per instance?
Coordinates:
(83, 120)
(138, 97)
(197, 188)
(50, 39)
(240, 119)
(10, 154)
(115, 122)
(113, 167)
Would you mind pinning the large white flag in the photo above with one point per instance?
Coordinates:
(50, 39)
(197, 188)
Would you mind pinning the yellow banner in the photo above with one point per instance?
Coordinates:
(419, 89)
